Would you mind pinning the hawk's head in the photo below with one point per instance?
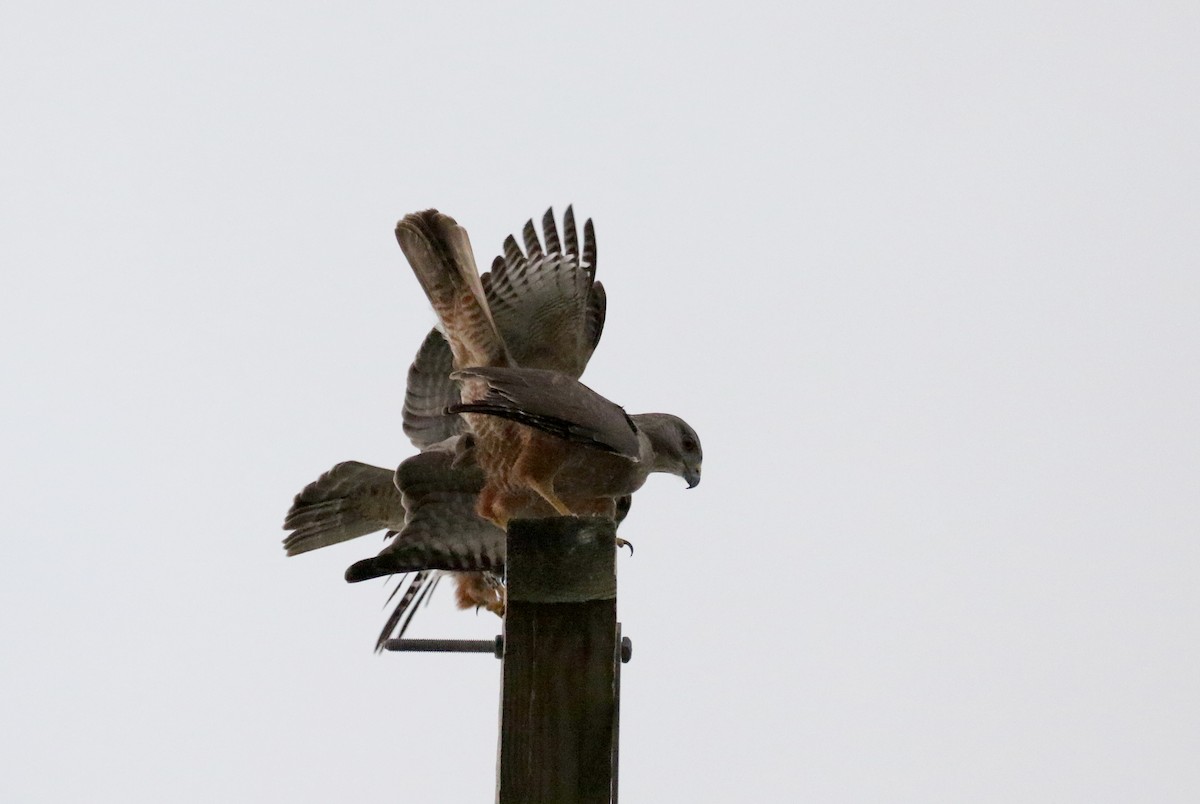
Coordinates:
(676, 445)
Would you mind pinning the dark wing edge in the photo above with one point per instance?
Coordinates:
(555, 404)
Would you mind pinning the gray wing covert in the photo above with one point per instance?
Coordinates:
(555, 404)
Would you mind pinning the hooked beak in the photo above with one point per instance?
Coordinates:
(692, 476)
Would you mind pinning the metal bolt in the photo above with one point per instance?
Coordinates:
(492, 646)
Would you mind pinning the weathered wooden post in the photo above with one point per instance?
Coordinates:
(558, 704)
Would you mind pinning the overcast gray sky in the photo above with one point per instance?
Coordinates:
(924, 278)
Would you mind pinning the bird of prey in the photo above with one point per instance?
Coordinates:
(545, 311)
(546, 443)
(550, 311)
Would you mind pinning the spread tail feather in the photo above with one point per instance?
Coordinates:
(440, 254)
(419, 588)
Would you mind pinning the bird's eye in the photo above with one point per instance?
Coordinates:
(689, 445)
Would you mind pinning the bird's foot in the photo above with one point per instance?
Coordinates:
(622, 543)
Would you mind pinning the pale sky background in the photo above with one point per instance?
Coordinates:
(926, 280)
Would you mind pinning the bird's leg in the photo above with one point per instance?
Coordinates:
(475, 590)
(497, 595)
(488, 507)
(539, 461)
(496, 605)
(606, 506)
(546, 492)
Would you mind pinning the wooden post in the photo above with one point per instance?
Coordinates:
(561, 655)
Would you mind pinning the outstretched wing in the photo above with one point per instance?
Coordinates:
(429, 392)
(542, 299)
(350, 500)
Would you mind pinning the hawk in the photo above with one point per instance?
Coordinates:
(549, 312)
(547, 444)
